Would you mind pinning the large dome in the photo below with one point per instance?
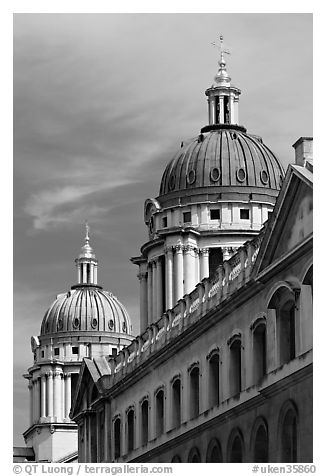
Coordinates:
(86, 308)
(222, 156)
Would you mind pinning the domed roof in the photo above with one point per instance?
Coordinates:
(223, 156)
(86, 308)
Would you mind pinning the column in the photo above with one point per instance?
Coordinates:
(178, 272)
(84, 272)
(95, 274)
(50, 394)
(236, 110)
(79, 276)
(149, 292)
(227, 253)
(91, 267)
(169, 278)
(159, 289)
(221, 99)
(231, 107)
(204, 263)
(187, 269)
(43, 396)
(67, 395)
(36, 399)
(212, 117)
(143, 300)
(57, 395)
(154, 292)
(30, 391)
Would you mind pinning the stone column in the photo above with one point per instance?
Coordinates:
(57, 395)
(204, 263)
(169, 277)
(231, 106)
(154, 292)
(227, 253)
(212, 116)
(84, 272)
(236, 110)
(36, 398)
(221, 99)
(143, 300)
(30, 391)
(43, 396)
(189, 269)
(91, 267)
(67, 395)
(79, 274)
(95, 274)
(159, 288)
(149, 293)
(49, 394)
(178, 272)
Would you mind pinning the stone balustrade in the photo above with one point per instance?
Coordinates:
(229, 277)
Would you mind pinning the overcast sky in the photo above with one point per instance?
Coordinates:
(101, 102)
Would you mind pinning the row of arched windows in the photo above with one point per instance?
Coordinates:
(167, 410)
(259, 450)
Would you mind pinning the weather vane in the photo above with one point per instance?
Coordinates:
(220, 46)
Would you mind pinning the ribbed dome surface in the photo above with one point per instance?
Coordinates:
(86, 308)
(227, 157)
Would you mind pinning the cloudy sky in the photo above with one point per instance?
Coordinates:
(101, 102)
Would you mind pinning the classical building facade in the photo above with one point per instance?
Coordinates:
(87, 321)
(222, 368)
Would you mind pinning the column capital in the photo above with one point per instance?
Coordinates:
(57, 373)
(203, 251)
(179, 248)
(142, 275)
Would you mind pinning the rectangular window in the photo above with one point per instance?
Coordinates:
(75, 350)
(215, 214)
(244, 213)
(114, 352)
(56, 351)
(187, 217)
(164, 222)
(269, 215)
(42, 354)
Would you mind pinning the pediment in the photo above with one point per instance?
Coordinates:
(292, 221)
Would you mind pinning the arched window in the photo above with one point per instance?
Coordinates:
(259, 351)
(159, 400)
(176, 459)
(176, 403)
(130, 429)
(117, 438)
(235, 366)
(194, 456)
(144, 422)
(283, 301)
(214, 453)
(236, 450)
(214, 380)
(194, 391)
(289, 438)
(260, 443)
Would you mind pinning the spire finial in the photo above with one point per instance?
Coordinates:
(222, 75)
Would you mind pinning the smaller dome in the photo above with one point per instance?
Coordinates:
(86, 308)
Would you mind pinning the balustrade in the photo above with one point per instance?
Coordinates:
(228, 277)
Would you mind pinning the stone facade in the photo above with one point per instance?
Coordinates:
(226, 374)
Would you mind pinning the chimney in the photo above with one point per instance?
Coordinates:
(303, 150)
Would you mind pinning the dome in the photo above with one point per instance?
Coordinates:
(222, 156)
(86, 308)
